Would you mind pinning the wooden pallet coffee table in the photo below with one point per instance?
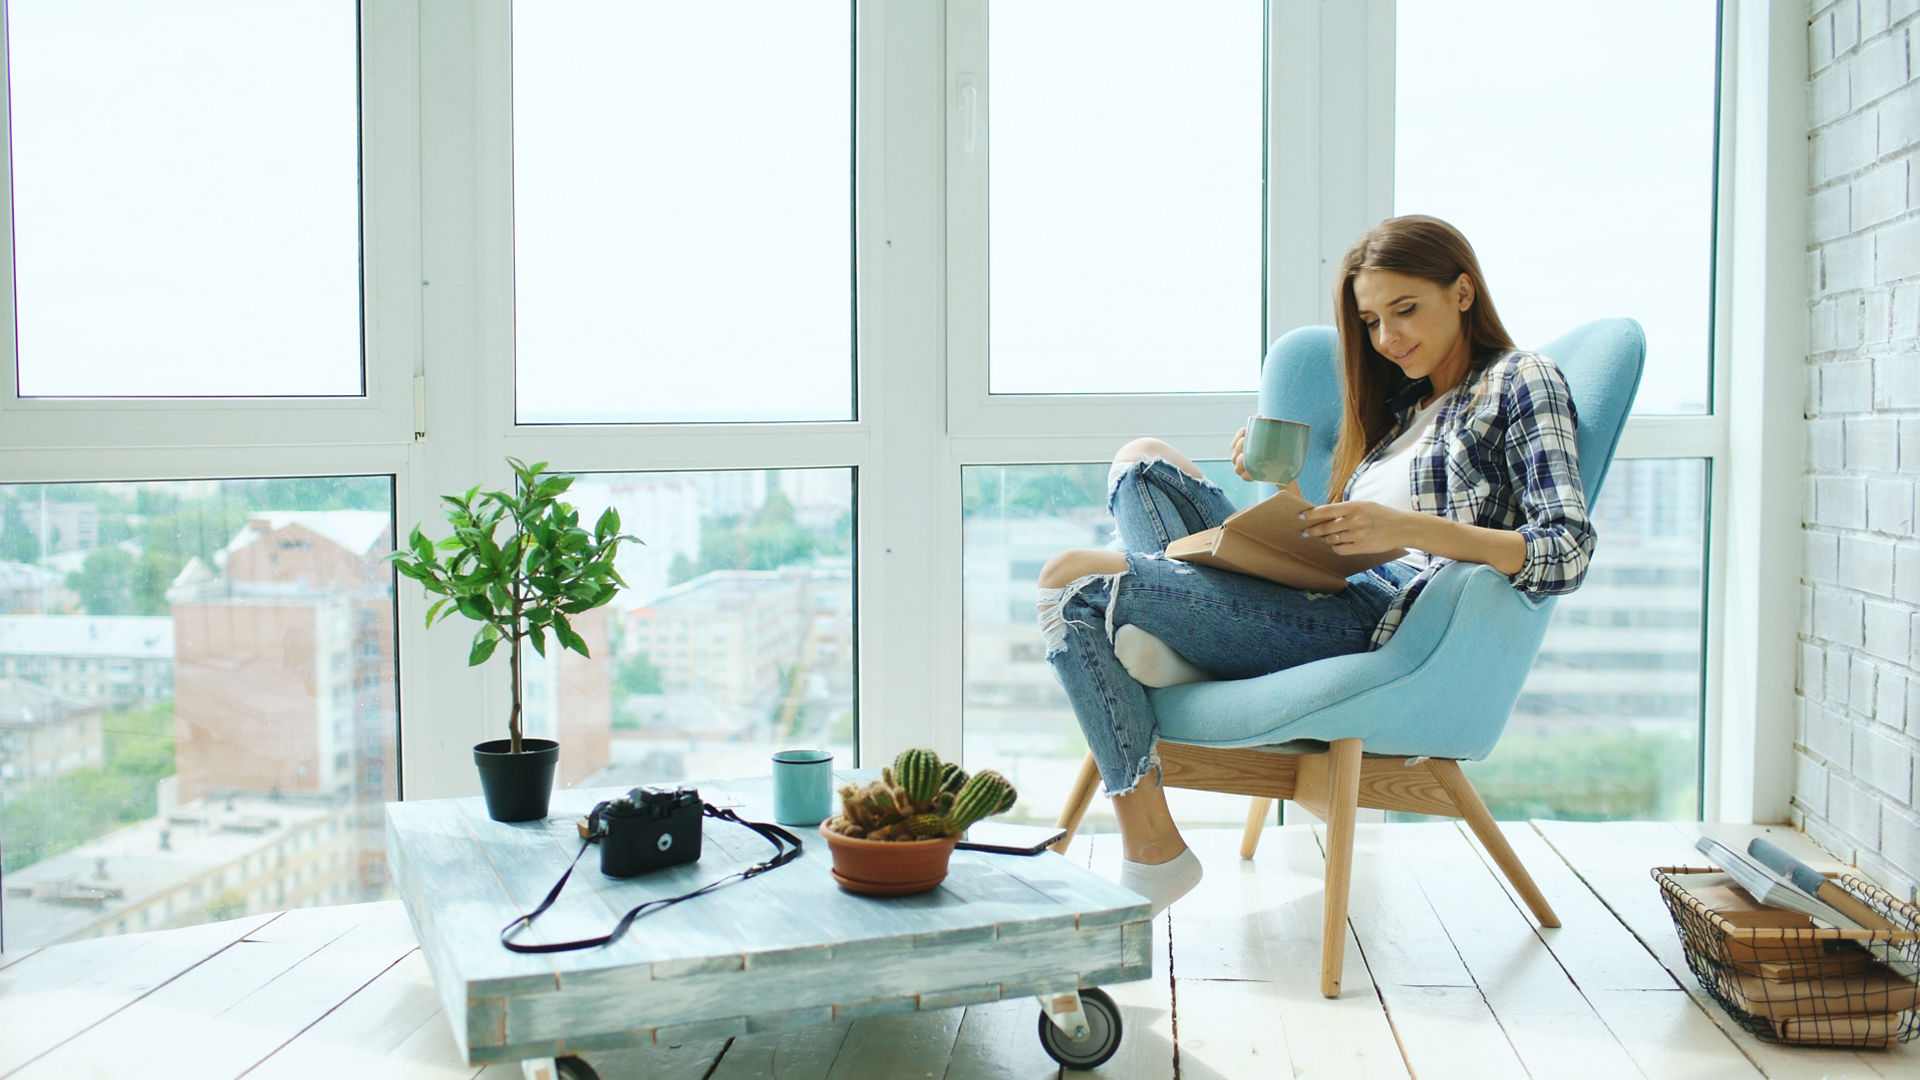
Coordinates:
(782, 950)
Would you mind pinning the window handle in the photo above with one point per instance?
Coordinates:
(968, 102)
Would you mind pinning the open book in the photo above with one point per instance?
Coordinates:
(1770, 888)
(1264, 540)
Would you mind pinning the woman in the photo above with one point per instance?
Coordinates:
(1453, 445)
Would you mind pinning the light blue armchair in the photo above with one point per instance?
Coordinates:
(1441, 689)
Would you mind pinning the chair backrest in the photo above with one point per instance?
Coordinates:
(1601, 360)
(1300, 381)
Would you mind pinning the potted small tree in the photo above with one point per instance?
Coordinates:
(893, 835)
(520, 565)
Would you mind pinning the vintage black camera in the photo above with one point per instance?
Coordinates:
(647, 829)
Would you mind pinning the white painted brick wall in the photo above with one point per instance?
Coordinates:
(1906, 573)
(1857, 728)
(1896, 385)
(1890, 507)
(1890, 700)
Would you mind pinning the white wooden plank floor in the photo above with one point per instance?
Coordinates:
(1446, 976)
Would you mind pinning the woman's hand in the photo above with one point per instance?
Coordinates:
(1239, 454)
(1367, 528)
(1361, 528)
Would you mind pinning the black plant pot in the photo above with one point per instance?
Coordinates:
(516, 786)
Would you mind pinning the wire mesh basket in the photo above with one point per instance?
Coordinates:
(1787, 981)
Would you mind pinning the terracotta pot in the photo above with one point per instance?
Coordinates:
(888, 867)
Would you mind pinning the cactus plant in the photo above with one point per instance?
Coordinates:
(918, 773)
(920, 797)
(951, 777)
(985, 793)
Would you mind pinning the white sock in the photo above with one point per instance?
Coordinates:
(1162, 883)
(1152, 662)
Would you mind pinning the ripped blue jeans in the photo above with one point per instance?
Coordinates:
(1230, 625)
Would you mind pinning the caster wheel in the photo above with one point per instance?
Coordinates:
(575, 1068)
(1103, 1033)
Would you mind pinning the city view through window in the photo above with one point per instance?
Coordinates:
(1607, 726)
(734, 638)
(198, 707)
(197, 701)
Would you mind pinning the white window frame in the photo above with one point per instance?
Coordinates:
(438, 412)
(390, 295)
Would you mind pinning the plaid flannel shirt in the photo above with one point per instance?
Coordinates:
(1502, 456)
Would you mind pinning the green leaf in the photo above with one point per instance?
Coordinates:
(438, 607)
(484, 643)
(539, 637)
(607, 526)
(564, 631)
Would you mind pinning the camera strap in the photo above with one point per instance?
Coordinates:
(786, 848)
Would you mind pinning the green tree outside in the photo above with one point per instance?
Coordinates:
(767, 539)
(107, 582)
(88, 804)
(18, 542)
(637, 674)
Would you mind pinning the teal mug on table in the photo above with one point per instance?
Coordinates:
(802, 786)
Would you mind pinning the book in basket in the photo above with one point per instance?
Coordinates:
(1265, 540)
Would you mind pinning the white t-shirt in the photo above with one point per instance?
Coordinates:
(1389, 480)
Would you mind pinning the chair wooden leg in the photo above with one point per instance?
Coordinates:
(1077, 802)
(1343, 805)
(1256, 821)
(1468, 801)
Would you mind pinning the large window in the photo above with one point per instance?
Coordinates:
(186, 197)
(843, 303)
(197, 701)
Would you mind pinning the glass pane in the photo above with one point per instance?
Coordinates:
(197, 710)
(683, 231)
(1608, 724)
(186, 197)
(734, 638)
(1542, 159)
(1016, 717)
(1125, 197)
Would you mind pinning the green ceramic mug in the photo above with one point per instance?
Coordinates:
(1276, 450)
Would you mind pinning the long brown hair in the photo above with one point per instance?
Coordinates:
(1421, 247)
